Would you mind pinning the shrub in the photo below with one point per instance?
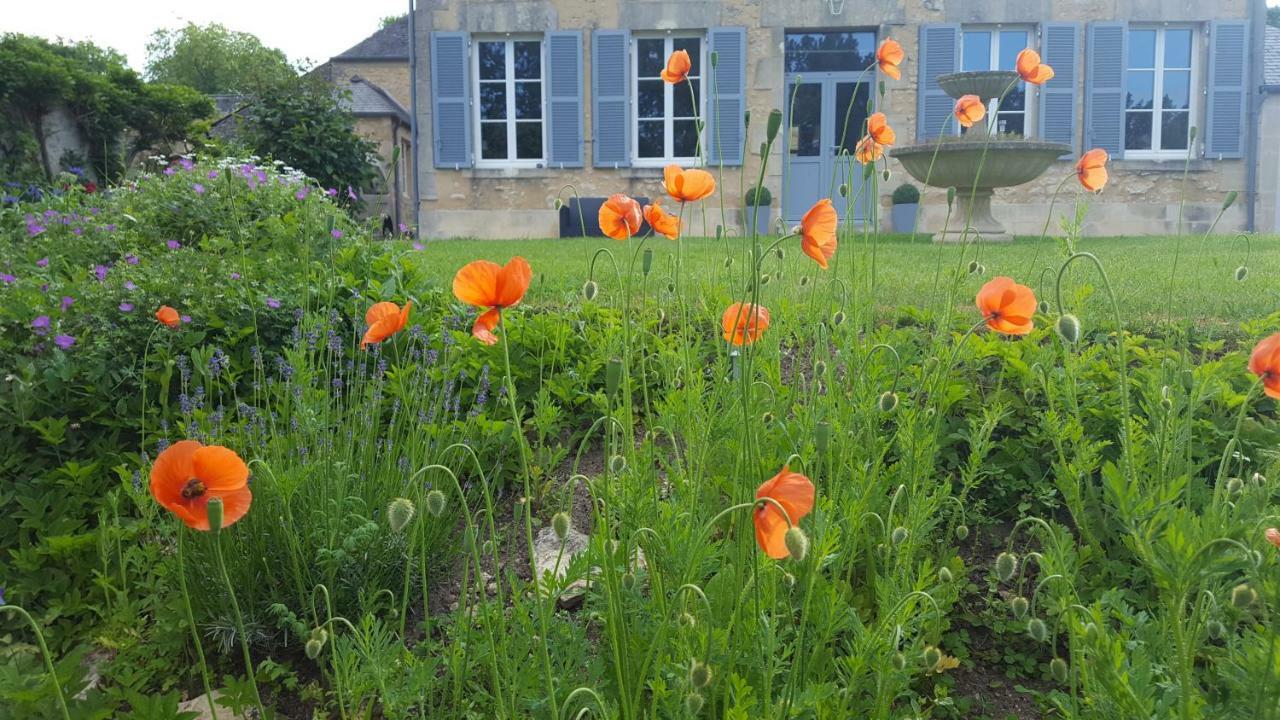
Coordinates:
(905, 194)
(758, 196)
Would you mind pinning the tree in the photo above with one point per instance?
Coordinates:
(33, 81)
(390, 20)
(213, 59)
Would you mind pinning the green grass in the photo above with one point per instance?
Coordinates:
(1141, 269)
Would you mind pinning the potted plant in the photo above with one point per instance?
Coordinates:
(756, 205)
(906, 206)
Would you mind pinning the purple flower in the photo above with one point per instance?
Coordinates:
(110, 227)
(34, 228)
(64, 341)
(67, 302)
(40, 324)
(44, 288)
(170, 170)
(7, 279)
(173, 244)
(43, 262)
(77, 231)
(302, 193)
(273, 303)
(213, 174)
(418, 246)
(403, 228)
(351, 193)
(331, 192)
(131, 259)
(336, 233)
(101, 272)
(185, 318)
(198, 188)
(235, 276)
(126, 307)
(128, 285)
(186, 163)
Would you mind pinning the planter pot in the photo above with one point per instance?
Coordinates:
(764, 219)
(904, 217)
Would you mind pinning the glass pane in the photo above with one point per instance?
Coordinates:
(649, 136)
(649, 103)
(682, 100)
(1011, 122)
(977, 50)
(806, 120)
(493, 140)
(1177, 89)
(493, 100)
(1012, 42)
(529, 140)
(650, 59)
(851, 114)
(684, 138)
(1141, 90)
(528, 100)
(829, 51)
(1137, 130)
(528, 59)
(693, 46)
(1142, 48)
(1177, 48)
(1173, 130)
(1016, 99)
(493, 60)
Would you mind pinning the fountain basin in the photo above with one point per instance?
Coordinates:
(986, 84)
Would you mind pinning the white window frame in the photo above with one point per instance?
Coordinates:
(1031, 92)
(668, 99)
(510, 161)
(1195, 91)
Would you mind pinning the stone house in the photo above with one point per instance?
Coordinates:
(1269, 136)
(518, 98)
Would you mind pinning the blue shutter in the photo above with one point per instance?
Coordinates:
(725, 126)
(451, 99)
(1228, 82)
(610, 86)
(1060, 49)
(1104, 87)
(939, 55)
(564, 98)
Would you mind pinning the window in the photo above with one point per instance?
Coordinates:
(1160, 65)
(666, 116)
(509, 109)
(997, 49)
(829, 51)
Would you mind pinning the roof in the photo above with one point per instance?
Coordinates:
(389, 43)
(369, 100)
(1271, 60)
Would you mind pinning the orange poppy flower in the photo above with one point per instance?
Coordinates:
(678, 67)
(744, 323)
(1264, 362)
(970, 109)
(688, 185)
(662, 222)
(187, 475)
(868, 150)
(794, 492)
(1091, 168)
(1031, 69)
(1007, 306)
(889, 56)
(879, 130)
(620, 217)
(168, 316)
(485, 284)
(385, 319)
(818, 232)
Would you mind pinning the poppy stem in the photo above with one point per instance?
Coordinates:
(44, 653)
(235, 608)
(191, 623)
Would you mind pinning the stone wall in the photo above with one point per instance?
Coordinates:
(1142, 198)
(1269, 165)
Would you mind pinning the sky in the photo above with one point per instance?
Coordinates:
(315, 29)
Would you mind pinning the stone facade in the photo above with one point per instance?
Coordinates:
(1143, 197)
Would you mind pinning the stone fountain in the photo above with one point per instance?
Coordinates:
(974, 164)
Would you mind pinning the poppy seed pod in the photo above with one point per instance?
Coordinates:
(1068, 328)
(1006, 566)
(822, 436)
(687, 620)
(767, 418)
(1242, 596)
(838, 318)
(1242, 272)
(560, 524)
(1058, 668)
(699, 675)
(962, 531)
(1234, 486)
(888, 401)
(628, 580)
(899, 661)
(399, 513)
(612, 376)
(1229, 200)
(435, 503)
(819, 368)
(797, 543)
(313, 648)
(944, 574)
(1042, 307)
(973, 266)
(774, 123)
(1037, 629)
(1216, 629)
(1019, 607)
(617, 464)
(557, 204)
(932, 656)
(693, 703)
(899, 535)
(215, 510)
(590, 289)
(804, 280)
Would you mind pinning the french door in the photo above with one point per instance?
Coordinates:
(825, 118)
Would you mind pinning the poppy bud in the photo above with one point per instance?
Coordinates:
(468, 539)
(898, 535)
(887, 174)
(687, 620)
(728, 262)
(962, 531)
(1058, 668)
(560, 524)
(1037, 629)
(951, 196)
(715, 59)
(1229, 200)
(746, 118)
(1042, 307)
(982, 269)
(767, 418)
(973, 266)
(646, 261)
(400, 512)
(774, 123)
(589, 290)
(1091, 631)
(1234, 486)
(764, 279)
(699, 675)
(1019, 607)
(932, 656)
(944, 574)
(764, 149)
(612, 376)
(804, 280)
(844, 189)
(671, 287)
(628, 580)
(797, 543)
(693, 703)
(1216, 629)
(881, 87)
(838, 318)
(1068, 327)
(557, 204)
(1258, 479)
(1006, 566)
(888, 401)
(1242, 596)
(819, 368)
(1242, 272)
(822, 436)
(215, 514)
(313, 648)
(617, 464)
(662, 316)
(899, 661)
(1192, 133)
(789, 579)
(435, 503)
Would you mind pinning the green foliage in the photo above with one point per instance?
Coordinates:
(213, 59)
(758, 196)
(906, 194)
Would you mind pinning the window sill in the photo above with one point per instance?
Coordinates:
(1171, 165)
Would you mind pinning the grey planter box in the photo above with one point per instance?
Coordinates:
(904, 217)
(764, 220)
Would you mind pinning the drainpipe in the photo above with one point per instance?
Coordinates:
(412, 101)
(1257, 54)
